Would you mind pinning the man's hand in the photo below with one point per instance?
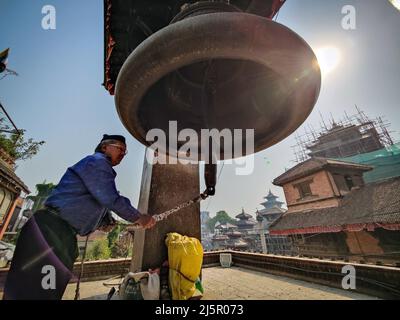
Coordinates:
(146, 221)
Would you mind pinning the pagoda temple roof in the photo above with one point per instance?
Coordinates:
(271, 201)
(273, 210)
(271, 195)
(225, 226)
(244, 215)
(220, 237)
(240, 244)
(246, 223)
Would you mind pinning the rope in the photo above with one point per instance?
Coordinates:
(77, 292)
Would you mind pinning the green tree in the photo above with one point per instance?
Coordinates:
(120, 246)
(16, 145)
(121, 249)
(112, 236)
(43, 190)
(221, 217)
(99, 250)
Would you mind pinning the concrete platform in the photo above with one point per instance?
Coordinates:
(240, 284)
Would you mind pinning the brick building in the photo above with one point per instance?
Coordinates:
(11, 187)
(332, 213)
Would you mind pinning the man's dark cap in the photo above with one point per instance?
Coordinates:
(113, 137)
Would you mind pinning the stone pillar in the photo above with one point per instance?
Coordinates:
(163, 187)
(262, 238)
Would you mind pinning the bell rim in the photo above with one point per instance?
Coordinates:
(127, 104)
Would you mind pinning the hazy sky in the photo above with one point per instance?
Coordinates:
(58, 95)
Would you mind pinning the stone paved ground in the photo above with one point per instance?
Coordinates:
(241, 284)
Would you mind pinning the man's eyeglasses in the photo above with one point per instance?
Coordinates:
(122, 149)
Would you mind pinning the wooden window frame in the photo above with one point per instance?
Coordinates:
(299, 188)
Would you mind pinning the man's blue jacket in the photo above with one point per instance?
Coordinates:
(86, 192)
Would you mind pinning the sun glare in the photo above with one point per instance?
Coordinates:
(395, 3)
(328, 59)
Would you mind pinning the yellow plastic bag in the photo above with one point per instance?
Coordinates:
(185, 258)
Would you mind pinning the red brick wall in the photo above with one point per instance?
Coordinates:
(322, 187)
(380, 246)
(363, 243)
(326, 203)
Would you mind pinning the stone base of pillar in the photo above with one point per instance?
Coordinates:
(165, 186)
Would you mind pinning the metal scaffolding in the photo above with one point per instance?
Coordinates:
(351, 135)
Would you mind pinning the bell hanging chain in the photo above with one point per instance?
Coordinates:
(210, 177)
(164, 215)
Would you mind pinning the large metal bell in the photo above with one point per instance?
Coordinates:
(219, 70)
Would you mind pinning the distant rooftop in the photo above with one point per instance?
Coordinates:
(313, 165)
(372, 206)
